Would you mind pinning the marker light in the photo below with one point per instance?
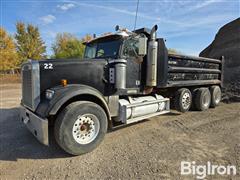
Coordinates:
(64, 82)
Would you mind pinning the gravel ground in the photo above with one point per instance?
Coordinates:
(152, 149)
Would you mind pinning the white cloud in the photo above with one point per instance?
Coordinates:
(66, 6)
(47, 19)
(117, 10)
(156, 19)
(204, 4)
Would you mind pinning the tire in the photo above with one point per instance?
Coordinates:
(80, 127)
(203, 99)
(216, 96)
(194, 94)
(183, 100)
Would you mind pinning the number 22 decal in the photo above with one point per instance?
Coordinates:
(48, 66)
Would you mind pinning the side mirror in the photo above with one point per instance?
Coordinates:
(142, 49)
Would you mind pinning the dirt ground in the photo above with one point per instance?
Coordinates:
(152, 149)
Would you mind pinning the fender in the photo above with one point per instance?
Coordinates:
(63, 94)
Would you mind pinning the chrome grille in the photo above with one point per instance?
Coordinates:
(30, 85)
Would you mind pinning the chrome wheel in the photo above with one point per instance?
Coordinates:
(218, 97)
(186, 100)
(206, 100)
(86, 128)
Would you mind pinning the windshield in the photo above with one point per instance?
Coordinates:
(102, 49)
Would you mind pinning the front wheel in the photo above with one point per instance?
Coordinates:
(80, 127)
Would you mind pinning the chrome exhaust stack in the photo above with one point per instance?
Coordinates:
(152, 59)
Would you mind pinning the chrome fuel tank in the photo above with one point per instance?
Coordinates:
(140, 106)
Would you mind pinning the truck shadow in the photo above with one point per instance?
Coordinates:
(16, 142)
(122, 126)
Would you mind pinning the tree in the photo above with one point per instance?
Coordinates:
(87, 37)
(67, 45)
(29, 43)
(173, 51)
(8, 54)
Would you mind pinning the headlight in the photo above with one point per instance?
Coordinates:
(49, 94)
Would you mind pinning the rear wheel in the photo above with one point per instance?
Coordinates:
(183, 100)
(80, 127)
(194, 94)
(216, 95)
(203, 99)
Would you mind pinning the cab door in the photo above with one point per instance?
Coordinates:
(130, 53)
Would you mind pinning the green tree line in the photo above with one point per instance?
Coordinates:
(27, 43)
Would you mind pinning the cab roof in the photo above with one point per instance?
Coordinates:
(120, 34)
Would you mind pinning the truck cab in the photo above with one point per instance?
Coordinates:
(123, 78)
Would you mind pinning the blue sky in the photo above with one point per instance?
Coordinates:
(187, 25)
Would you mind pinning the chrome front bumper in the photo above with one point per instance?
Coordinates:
(37, 125)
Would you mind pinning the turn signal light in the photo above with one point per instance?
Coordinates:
(64, 82)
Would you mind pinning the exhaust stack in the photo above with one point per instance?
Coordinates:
(152, 59)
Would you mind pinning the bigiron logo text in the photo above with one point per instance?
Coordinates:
(201, 171)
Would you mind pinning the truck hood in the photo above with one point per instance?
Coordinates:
(76, 71)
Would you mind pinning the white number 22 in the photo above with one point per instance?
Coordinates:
(48, 66)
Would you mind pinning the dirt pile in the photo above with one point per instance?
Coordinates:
(227, 44)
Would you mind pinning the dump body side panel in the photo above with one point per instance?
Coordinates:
(180, 70)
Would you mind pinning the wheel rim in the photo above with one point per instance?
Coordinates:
(206, 100)
(186, 100)
(85, 128)
(217, 97)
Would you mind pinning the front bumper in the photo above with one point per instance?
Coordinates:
(37, 125)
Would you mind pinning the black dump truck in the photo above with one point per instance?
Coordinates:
(123, 78)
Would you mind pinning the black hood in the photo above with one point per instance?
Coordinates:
(76, 71)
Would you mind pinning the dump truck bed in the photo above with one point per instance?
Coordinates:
(180, 70)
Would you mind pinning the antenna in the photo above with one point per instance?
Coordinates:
(135, 23)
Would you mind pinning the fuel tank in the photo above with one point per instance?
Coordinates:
(152, 105)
